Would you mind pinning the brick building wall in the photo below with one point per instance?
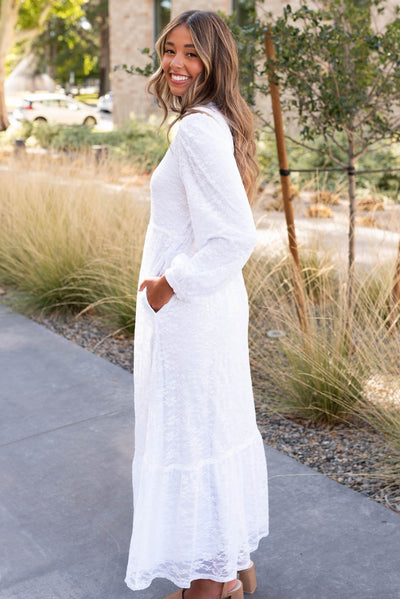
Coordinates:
(132, 28)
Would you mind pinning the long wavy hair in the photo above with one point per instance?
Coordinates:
(218, 83)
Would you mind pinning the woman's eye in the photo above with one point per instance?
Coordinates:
(169, 51)
(191, 55)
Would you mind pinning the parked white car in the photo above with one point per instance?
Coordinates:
(55, 108)
(105, 103)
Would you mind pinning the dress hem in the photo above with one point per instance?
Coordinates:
(185, 583)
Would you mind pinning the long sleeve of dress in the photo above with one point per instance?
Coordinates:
(221, 218)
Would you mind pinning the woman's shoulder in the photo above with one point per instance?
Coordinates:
(204, 121)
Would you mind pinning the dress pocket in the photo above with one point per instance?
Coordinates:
(162, 310)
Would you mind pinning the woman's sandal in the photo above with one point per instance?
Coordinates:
(248, 579)
(235, 593)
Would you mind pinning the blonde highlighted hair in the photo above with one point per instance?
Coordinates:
(218, 83)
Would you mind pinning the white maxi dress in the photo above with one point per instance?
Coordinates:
(199, 469)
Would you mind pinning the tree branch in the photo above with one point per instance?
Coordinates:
(332, 137)
(28, 34)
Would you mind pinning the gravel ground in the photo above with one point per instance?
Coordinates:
(351, 455)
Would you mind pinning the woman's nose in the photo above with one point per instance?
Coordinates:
(177, 60)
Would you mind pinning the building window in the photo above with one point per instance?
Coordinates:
(243, 10)
(162, 16)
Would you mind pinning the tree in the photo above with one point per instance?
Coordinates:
(341, 78)
(67, 48)
(243, 24)
(76, 41)
(22, 21)
(97, 15)
(65, 42)
(10, 34)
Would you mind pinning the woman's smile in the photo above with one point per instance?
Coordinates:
(175, 77)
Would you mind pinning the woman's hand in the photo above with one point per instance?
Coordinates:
(158, 291)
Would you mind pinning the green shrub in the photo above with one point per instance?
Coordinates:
(25, 129)
(43, 133)
(139, 142)
(143, 143)
(64, 138)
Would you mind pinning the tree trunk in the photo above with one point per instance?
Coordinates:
(4, 122)
(104, 55)
(8, 19)
(352, 226)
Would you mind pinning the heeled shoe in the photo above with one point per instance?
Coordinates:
(235, 593)
(248, 579)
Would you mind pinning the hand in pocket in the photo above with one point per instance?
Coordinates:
(158, 291)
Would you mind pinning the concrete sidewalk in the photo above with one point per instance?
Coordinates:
(66, 443)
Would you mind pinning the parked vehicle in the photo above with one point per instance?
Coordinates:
(105, 103)
(55, 108)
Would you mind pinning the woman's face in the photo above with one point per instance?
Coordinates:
(180, 62)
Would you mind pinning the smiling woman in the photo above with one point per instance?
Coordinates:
(199, 471)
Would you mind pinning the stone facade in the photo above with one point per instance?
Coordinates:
(132, 28)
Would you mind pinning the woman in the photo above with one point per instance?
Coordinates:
(199, 471)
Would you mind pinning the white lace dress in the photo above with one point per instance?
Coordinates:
(199, 470)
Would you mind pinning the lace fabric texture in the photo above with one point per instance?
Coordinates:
(199, 471)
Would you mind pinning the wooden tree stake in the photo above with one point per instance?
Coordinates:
(285, 182)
